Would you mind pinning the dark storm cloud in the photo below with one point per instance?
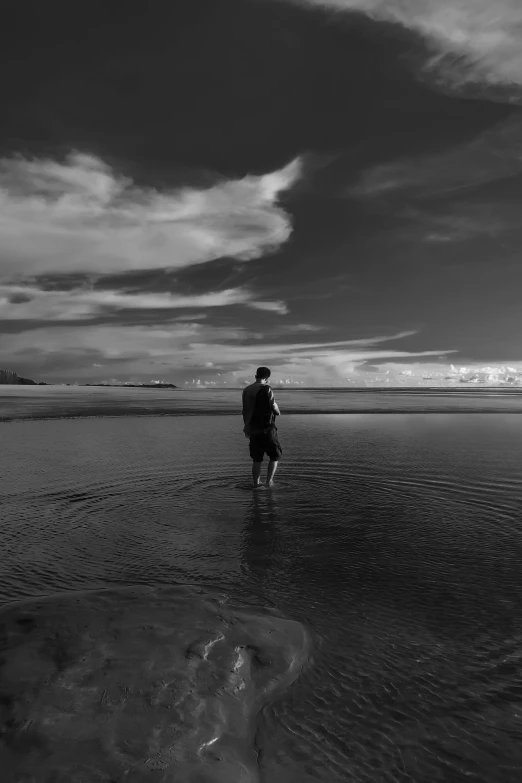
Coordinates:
(235, 87)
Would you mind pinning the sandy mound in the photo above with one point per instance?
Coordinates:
(139, 684)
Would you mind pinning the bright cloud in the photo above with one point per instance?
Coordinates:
(24, 302)
(441, 374)
(481, 40)
(494, 375)
(81, 216)
(288, 382)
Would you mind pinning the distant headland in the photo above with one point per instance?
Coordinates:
(9, 377)
(134, 385)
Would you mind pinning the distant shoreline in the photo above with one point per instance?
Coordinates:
(130, 385)
(23, 403)
(468, 389)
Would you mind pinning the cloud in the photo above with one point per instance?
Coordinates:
(494, 155)
(81, 216)
(460, 227)
(471, 40)
(459, 194)
(213, 343)
(499, 375)
(460, 221)
(421, 373)
(64, 352)
(272, 307)
(303, 328)
(393, 373)
(26, 302)
(288, 382)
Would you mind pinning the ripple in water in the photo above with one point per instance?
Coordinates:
(397, 539)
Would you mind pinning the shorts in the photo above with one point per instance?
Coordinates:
(267, 443)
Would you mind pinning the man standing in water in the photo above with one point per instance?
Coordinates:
(259, 412)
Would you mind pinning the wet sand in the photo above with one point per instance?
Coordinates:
(140, 683)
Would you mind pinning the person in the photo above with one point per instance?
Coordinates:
(259, 412)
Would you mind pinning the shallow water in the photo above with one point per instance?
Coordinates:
(22, 402)
(397, 538)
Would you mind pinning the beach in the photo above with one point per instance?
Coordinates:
(394, 541)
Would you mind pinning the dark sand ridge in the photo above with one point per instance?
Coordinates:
(140, 684)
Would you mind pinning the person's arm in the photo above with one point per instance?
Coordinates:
(273, 403)
(246, 428)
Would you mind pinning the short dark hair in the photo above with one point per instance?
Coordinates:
(263, 372)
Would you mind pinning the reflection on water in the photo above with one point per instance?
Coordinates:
(259, 538)
(398, 539)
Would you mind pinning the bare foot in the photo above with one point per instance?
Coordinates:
(258, 486)
(269, 484)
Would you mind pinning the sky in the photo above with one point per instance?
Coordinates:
(194, 188)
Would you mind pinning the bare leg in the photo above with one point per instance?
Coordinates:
(272, 467)
(256, 472)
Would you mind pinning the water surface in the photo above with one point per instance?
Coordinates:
(22, 402)
(397, 538)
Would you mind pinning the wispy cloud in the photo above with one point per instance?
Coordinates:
(133, 349)
(295, 328)
(494, 155)
(25, 302)
(471, 40)
(272, 307)
(459, 194)
(80, 215)
(460, 224)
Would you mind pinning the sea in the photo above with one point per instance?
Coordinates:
(393, 532)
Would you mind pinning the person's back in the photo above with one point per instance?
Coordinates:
(259, 412)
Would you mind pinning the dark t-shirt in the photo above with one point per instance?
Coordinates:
(258, 408)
